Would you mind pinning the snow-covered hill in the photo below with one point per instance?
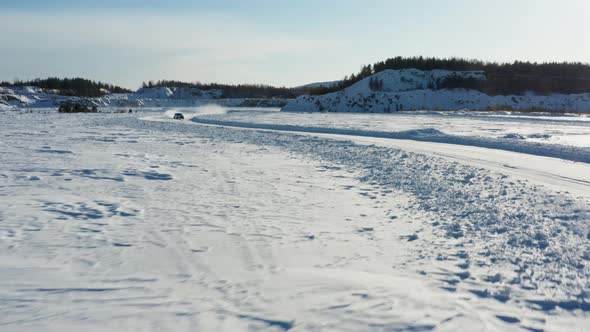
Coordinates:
(175, 93)
(15, 98)
(318, 85)
(412, 89)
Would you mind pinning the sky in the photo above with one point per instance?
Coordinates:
(280, 42)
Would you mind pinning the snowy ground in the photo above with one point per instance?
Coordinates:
(571, 130)
(138, 222)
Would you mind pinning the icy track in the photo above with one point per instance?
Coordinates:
(487, 140)
(122, 222)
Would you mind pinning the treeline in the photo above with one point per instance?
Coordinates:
(502, 78)
(229, 90)
(508, 84)
(78, 87)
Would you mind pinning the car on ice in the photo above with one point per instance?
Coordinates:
(178, 116)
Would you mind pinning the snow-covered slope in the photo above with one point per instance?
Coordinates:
(16, 97)
(409, 80)
(33, 97)
(412, 89)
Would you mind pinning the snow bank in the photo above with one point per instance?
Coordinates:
(506, 143)
(412, 89)
(5, 106)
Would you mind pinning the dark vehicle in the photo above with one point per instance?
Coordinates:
(178, 116)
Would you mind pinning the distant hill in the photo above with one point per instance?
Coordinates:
(330, 84)
(516, 78)
(229, 90)
(78, 87)
(15, 98)
(394, 90)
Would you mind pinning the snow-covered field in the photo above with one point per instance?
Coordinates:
(140, 222)
(543, 128)
(563, 136)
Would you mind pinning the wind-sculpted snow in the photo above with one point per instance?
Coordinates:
(543, 236)
(123, 221)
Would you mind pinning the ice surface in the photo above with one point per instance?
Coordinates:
(565, 137)
(140, 222)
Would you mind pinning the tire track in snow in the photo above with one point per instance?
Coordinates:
(543, 168)
(514, 222)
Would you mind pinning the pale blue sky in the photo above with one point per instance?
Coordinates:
(275, 42)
